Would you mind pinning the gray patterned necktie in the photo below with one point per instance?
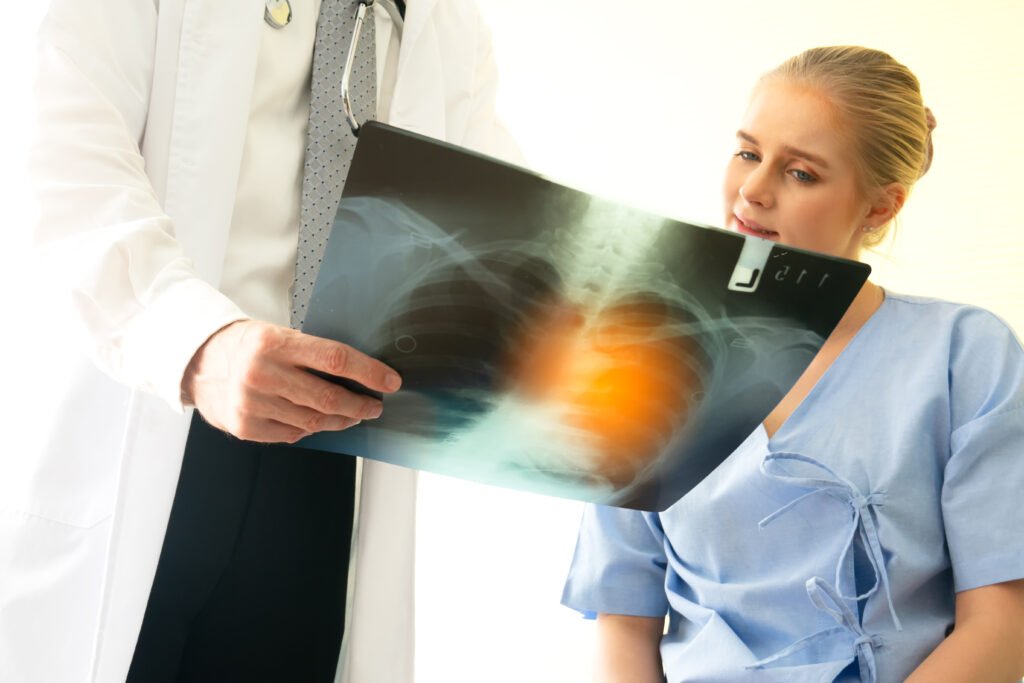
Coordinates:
(329, 140)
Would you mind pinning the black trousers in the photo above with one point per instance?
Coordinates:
(252, 576)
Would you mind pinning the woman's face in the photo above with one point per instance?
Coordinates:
(793, 177)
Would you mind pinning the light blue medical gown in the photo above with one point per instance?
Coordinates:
(833, 550)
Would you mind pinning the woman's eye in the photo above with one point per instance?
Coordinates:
(802, 176)
(746, 155)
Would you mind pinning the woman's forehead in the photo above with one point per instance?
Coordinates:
(785, 114)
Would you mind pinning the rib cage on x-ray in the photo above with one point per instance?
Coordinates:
(612, 352)
(573, 362)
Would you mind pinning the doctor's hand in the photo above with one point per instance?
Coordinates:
(252, 379)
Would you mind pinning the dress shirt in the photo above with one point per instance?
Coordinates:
(259, 265)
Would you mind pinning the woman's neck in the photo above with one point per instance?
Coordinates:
(864, 305)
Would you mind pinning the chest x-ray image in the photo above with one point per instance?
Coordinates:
(554, 341)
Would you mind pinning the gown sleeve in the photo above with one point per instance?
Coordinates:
(984, 476)
(619, 564)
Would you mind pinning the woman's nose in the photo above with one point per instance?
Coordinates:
(756, 188)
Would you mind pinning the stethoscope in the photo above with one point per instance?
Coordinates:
(278, 14)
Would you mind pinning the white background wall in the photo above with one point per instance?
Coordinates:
(639, 100)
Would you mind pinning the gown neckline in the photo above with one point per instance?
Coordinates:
(802, 407)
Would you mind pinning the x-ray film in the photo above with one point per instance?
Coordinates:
(554, 341)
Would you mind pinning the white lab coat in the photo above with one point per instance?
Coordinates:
(141, 129)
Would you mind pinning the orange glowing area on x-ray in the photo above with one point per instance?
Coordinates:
(623, 375)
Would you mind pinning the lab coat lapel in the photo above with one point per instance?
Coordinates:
(203, 79)
(220, 42)
(416, 19)
(418, 103)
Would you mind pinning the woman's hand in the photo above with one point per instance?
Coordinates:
(251, 379)
(628, 649)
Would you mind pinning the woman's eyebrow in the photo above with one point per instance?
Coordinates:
(793, 151)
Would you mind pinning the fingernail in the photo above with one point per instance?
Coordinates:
(392, 381)
(374, 411)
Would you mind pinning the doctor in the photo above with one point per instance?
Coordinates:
(168, 167)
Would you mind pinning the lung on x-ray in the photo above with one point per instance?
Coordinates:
(554, 341)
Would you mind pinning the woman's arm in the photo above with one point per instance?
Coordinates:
(987, 644)
(628, 649)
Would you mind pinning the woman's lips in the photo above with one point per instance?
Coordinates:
(748, 227)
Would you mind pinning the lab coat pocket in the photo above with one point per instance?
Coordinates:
(49, 476)
(50, 596)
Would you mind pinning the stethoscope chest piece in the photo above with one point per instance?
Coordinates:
(278, 13)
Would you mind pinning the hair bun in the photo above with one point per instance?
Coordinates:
(929, 147)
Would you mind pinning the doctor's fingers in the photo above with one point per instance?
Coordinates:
(244, 424)
(271, 431)
(306, 420)
(340, 360)
(305, 390)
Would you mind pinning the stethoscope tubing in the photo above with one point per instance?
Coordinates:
(346, 99)
(278, 14)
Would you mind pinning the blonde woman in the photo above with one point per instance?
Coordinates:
(870, 529)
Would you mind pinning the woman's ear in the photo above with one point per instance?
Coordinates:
(887, 202)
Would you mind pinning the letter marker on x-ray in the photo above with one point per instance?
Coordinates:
(750, 265)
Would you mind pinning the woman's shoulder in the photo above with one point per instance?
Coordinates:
(983, 356)
(961, 322)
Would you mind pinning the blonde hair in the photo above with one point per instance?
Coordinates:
(879, 100)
